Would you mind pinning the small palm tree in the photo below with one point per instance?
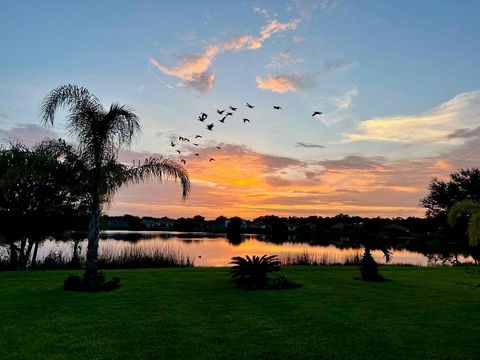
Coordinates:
(471, 208)
(251, 272)
(101, 133)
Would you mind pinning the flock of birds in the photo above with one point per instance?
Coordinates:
(224, 113)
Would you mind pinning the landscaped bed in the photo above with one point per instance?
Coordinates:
(199, 313)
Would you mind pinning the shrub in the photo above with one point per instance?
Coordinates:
(369, 268)
(252, 272)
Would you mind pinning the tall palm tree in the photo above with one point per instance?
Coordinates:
(471, 208)
(101, 133)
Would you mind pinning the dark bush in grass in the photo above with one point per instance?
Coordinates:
(76, 283)
(251, 273)
(369, 268)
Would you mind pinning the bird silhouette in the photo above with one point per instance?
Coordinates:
(277, 107)
(198, 136)
(178, 151)
(222, 120)
(181, 138)
(183, 161)
(202, 117)
(317, 113)
(210, 127)
(212, 159)
(196, 154)
(250, 106)
(172, 144)
(228, 114)
(218, 147)
(195, 144)
(245, 120)
(220, 112)
(232, 108)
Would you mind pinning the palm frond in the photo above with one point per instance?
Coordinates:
(70, 96)
(124, 124)
(462, 208)
(159, 169)
(473, 230)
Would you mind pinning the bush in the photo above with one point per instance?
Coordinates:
(369, 268)
(251, 273)
(76, 283)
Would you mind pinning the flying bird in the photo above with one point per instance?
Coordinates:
(245, 120)
(222, 120)
(202, 117)
(172, 144)
(218, 147)
(232, 108)
(212, 159)
(178, 151)
(183, 161)
(198, 136)
(317, 113)
(228, 114)
(196, 154)
(277, 107)
(210, 127)
(195, 144)
(180, 138)
(250, 106)
(220, 112)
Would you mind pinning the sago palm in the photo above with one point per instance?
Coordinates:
(471, 208)
(101, 134)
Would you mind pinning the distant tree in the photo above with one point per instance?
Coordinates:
(442, 195)
(101, 134)
(40, 196)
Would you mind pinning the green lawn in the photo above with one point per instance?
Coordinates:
(198, 313)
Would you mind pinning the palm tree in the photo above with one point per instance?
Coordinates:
(101, 133)
(471, 208)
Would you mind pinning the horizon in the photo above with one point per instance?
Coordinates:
(400, 97)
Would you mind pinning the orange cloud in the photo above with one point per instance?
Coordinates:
(193, 69)
(284, 83)
(246, 183)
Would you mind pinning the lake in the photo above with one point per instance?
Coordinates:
(208, 249)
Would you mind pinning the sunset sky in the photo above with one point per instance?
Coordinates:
(398, 83)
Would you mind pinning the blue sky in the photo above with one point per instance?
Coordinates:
(397, 81)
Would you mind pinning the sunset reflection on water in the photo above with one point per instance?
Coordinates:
(208, 249)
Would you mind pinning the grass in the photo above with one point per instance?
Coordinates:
(197, 313)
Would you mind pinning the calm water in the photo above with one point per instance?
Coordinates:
(215, 249)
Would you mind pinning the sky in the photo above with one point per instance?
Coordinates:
(397, 82)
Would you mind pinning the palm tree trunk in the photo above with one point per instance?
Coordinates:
(92, 248)
(34, 256)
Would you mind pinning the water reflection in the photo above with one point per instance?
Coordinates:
(208, 249)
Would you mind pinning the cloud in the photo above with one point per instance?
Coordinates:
(285, 83)
(438, 125)
(464, 133)
(305, 145)
(3, 115)
(338, 65)
(193, 70)
(282, 59)
(28, 134)
(190, 68)
(345, 101)
(298, 38)
(259, 10)
(355, 162)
